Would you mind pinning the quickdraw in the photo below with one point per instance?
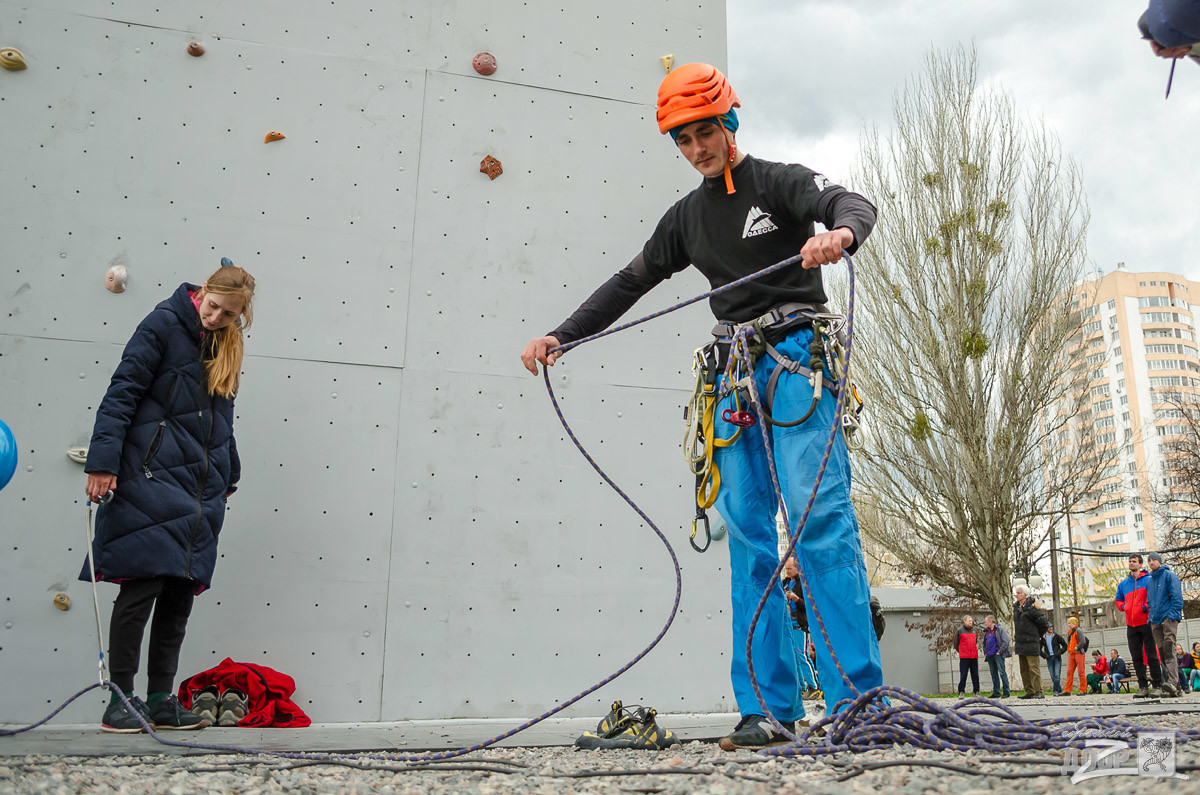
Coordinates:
(701, 441)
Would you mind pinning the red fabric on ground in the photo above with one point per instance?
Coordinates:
(268, 692)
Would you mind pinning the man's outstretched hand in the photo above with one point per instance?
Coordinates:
(537, 351)
(826, 248)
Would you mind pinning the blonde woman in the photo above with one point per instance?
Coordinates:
(163, 446)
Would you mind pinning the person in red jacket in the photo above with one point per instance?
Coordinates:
(1099, 671)
(967, 645)
(1131, 600)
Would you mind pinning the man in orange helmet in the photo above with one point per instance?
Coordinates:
(745, 215)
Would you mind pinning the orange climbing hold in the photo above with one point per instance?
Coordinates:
(484, 63)
(491, 166)
(195, 48)
(274, 135)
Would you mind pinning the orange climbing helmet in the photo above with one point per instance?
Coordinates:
(693, 92)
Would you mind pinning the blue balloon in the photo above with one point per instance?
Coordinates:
(8, 454)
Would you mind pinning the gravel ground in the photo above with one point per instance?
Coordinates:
(695, 767)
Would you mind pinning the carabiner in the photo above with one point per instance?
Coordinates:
(700, 515)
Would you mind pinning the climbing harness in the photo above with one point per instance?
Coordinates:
(722, 371)
(868, 721)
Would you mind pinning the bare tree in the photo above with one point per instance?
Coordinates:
(965, 316)
(1176, 496)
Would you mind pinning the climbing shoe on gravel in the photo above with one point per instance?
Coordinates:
(119, 719)
(233, 707)
(640, 733)
(204, 704)
(755, 731)
(170, 715)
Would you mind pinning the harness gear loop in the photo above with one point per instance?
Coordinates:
(747, 343)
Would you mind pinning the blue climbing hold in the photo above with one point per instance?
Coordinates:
(8, 454)
(226, 262)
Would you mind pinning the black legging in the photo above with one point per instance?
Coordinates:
(968, 665)
(171, 598)
(1141, 649)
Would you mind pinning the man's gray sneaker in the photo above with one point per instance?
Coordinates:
(119, 719)
(755, 731)
(1142, 693)
(1171, 690)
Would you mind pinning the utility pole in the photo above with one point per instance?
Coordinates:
(1071, 558)
(1057, 611)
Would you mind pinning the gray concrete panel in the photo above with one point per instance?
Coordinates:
(140, 155)
(610, 50)
(302, 581)
(497, 262)
(518, 578)
(393, 32)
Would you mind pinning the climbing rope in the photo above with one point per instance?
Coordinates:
(877, 718)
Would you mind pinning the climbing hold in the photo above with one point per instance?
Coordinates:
(484, 63)
(668, 61)
(62, 601)
(491, 166)
(274, 135)
(12, 60)
(77, 454)
(195, 48)
(8, 454)
(116, 279)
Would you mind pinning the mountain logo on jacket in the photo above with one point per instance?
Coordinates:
(757, 223)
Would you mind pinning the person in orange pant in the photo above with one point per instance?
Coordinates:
(1077, 646)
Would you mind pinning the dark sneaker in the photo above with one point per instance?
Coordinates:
(755, 731)
(643, 733)
(1171, 690)
(1142, 693)
(993, 695)
(1157, 692)
(169, 714)
(119, 719)
(204, 704)
(233, 707)
(1063, 693)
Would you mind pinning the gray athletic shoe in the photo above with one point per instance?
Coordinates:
(233, 707)
(205, 704)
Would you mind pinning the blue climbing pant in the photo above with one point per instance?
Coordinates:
(829, 552)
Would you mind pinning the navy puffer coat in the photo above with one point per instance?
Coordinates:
(171, 446)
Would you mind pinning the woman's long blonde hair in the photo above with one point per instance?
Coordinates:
(224, 366)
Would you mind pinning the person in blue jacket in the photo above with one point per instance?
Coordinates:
(1164, 592)
(163, 446)
(1172, 26)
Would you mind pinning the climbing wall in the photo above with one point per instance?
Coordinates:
(414, 536)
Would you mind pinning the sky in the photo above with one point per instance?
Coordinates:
(813, 74)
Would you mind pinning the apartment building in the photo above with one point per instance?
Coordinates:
(1139, 341)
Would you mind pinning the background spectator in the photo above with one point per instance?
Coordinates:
(1099, 672)
(1077, 646)
(1053, 649)
(1029, 624)
(996, 649)
(1165, 595)
(1116, 671)
(1131, 601)
(967, 646)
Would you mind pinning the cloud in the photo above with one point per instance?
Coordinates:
(811, 75)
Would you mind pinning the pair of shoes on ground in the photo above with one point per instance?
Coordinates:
(756, 731)
(166, 715)
(220, 708)
(1033, 695)
(963, 694)
(1005, 694)
(630, 728)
